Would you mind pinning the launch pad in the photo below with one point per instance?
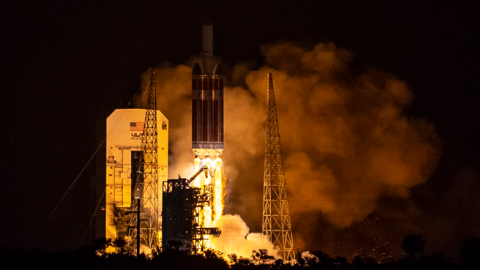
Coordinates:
(181, 213)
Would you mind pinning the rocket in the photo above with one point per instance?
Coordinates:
(207, 101)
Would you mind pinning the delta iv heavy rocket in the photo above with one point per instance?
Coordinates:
(207, 101)
(207, 128)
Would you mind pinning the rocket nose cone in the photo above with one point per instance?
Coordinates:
(196, 70)
(218, 70)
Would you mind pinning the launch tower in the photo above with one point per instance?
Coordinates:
(182, 206)
(276, 223)
(124, 150)
(146, 187)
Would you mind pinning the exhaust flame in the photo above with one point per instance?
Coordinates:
(212, 179)
(218, 190)
(236, 237)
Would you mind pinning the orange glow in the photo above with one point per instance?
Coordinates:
(209, 215)
(110, 250)
(218, 190)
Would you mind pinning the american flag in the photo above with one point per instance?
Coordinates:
(136, 126)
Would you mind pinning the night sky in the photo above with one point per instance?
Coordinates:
(66, 64)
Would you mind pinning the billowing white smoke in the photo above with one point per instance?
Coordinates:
(236, 238)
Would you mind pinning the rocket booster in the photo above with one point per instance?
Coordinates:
(207, 101)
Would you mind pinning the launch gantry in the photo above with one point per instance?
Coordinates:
(182, 205)
(146, 187)
(276, 223)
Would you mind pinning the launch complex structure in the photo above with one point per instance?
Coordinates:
(276, 223)
(192, 207)
(147, 209)
(137, 159)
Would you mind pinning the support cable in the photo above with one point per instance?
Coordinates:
(78, 176)
(64, 195)
(91, 220)
(367, 227)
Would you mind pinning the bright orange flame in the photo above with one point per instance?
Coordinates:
(209, 215)
(234, 237)
(218, 190)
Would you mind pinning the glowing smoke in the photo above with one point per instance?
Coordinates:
(236, 238)
(174, 101)
(345, 141)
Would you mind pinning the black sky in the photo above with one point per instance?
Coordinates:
(65, 64)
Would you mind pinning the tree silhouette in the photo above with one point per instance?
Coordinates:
(470, 253)
(261, 257)
(101, 244)
(119, 243)
(358, 262)
(211, 253)
(413, 245)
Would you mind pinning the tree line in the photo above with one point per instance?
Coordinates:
(94, 257)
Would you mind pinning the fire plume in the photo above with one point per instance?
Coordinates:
(212, 180)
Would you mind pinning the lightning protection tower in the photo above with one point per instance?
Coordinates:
(276, 223)
(146, 187)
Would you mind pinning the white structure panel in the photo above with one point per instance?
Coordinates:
(121, 140)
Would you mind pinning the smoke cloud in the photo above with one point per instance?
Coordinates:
(346, 143)
(174, 101)
(236, 238)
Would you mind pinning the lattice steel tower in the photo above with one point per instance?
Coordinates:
(146, 187)
(276, 223)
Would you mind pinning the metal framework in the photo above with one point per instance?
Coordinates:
(276, 223)
(181, 214)
(146, 187)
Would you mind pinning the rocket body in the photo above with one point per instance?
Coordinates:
(207, 102)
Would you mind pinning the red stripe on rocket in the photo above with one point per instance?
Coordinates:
(207, 101)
